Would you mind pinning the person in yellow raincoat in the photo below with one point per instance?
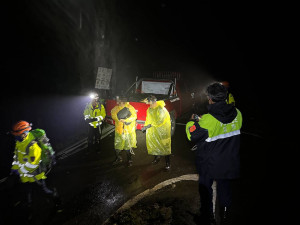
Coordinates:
(158, 131)
(125, 117)
(28, 161)
(94, 114)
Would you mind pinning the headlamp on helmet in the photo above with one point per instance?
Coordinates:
(94, 96)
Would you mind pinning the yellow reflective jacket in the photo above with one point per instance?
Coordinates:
(28, 165)
(97, 112)
(125, 135)
(158, 136)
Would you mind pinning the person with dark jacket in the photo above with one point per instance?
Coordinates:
(217, 138)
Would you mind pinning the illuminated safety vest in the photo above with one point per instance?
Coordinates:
(216, 129)
(98, 112)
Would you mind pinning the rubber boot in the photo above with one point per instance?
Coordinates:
(129, 158)
(52, 193)
(168, 163)
(118, 159)
(156, 159)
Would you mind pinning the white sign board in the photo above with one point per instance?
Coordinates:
(103, 78)
(161, 88)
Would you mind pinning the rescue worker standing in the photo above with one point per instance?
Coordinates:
(229, 98)
(125, 117)
(158, 131)
(94, 114)
(217, 137)
(33, 157)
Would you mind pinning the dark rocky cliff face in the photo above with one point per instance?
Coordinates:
(58, 45)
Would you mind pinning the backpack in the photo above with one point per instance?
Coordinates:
(47, 159)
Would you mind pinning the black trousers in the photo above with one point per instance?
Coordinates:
(224, 195)
(94, 135)
(39, 186)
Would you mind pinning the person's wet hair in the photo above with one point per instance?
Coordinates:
(151, 98)
(216, 92)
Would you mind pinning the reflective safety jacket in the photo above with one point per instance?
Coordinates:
(28, 165)
(98, 112)
(158, 136)
(125, 133)
(217, 137)
(230, 99)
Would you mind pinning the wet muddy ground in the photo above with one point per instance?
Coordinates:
(93, 190)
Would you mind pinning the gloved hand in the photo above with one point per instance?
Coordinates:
(145, 128)
(195, 118)
(14, 172)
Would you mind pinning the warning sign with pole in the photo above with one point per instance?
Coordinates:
(103, 78)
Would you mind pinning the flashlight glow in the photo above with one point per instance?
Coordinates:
(94, 96)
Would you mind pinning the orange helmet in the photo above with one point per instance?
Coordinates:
(20, 127)
(225, 84)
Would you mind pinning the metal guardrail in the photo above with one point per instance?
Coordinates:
(82, 144)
